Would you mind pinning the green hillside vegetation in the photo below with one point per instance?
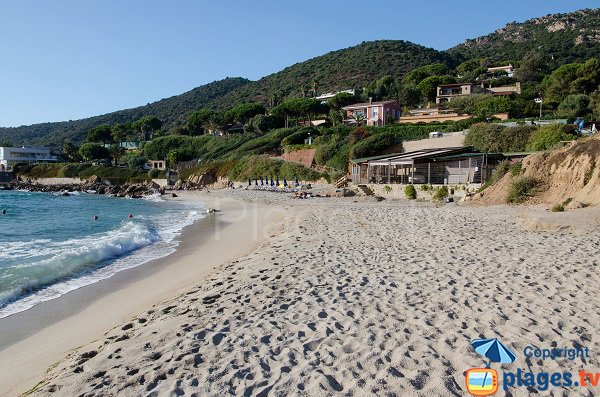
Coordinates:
(558, 39)
(171, 111)
(235, 122)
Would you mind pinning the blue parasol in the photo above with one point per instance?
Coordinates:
(297, 183)
(249, 182)
(284, 182)
(277, 182)
(255, 182)
(261, 181)
(493, 350)
(272, 183)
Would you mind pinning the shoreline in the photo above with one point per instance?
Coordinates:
(53, 328)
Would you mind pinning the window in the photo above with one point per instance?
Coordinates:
(375, 113)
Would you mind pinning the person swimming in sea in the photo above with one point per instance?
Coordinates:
(4, 212)
(95, 217)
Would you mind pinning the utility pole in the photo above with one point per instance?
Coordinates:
(540, 101)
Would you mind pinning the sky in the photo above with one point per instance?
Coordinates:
(71, 59)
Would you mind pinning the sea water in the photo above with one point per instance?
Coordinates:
(51, 244)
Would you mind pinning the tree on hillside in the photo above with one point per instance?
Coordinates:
(116, 152)
(6, 144)
(336, 103)
(588, 77)
(71, 152)
(558, 85)
(299, 108)
(102, 133)
(409, 95)
(428, 86)
(340, 100)
(415, 76)
(120, 132)
(533, 67)
(574, 106)
(198, 120)
(93, 151)
(314, 86)
(244, 112)
(472, 69)
(216, 122)
(147, 125)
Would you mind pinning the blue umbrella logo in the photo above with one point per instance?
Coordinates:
(493, 350)
(482, 382)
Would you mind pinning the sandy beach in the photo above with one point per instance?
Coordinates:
(350, 297)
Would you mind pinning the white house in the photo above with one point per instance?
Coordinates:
(10, 156)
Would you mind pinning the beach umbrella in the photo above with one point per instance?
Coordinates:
(493, 350)
(255, 182)
(284, 182)
(297, 183)
(249, 182)
(277, 182)
(272, 183)
(261, 181)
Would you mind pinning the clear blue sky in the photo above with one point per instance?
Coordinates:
(69, 59)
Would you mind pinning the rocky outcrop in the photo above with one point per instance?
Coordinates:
(92, 185)
(203, 181)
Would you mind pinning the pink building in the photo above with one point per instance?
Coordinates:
(372, 113)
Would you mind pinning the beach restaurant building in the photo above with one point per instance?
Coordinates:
(438, 166)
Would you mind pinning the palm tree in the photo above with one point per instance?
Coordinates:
(359, 118)
(315, 86)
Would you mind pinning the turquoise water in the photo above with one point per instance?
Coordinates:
(50, 244)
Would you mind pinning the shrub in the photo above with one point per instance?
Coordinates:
(136, 162)
(410, 192)
(496, 138)
(387, 188)
(516, 169)
(425, 188)
(440, 193)
(521, 188)
(558, 208)
(548, 137)
(372, 145)
(153, 173)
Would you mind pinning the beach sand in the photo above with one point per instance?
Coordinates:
(354, 297)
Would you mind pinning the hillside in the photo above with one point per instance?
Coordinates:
(352, 67)
(569, 175)
(566, 38)
(170, 110)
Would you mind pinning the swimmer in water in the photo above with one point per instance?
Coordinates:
(95, 217)
(130, 216)
(3, 212)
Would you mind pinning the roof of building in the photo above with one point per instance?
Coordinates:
(410, 157)
(366, 104)
(494, 68)
(454, 84)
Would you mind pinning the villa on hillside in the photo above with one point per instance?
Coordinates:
(372, 113)
(508, 71)
(325, 97)
(445, 92)
(10, 156)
